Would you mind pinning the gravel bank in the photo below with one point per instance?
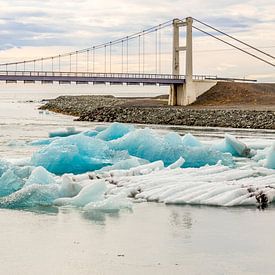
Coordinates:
(153, 111)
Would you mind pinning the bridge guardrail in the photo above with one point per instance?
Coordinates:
(103, 75)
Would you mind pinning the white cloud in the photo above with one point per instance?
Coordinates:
(50, 26)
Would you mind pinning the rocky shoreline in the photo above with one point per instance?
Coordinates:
(154, 111)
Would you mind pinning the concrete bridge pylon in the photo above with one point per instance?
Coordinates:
(187, 93)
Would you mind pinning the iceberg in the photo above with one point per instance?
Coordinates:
(270, 157)
(115, 131)
(233, 146)
(106, 169)
(90, 193)
(12, 177)
(31, 196)
(69, 131)
(41, 176)
(76, 154)
(146, 144)
(120, 146)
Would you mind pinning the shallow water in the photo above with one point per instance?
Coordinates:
(150, 239)
(153, 239)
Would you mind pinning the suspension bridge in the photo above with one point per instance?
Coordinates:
(138, 59)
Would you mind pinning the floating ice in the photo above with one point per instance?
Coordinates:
(31, 196)
(42, 142)
(115, 131)
(191, 141)
(146, 144)
(231, 145)
(118, 144)
(270, 158)
(40, 176)
(69, 131)
(12, 177)
(110, 204)
(111, 165)
(76, 154)
(90, 193)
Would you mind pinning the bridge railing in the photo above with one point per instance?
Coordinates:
(91, 74)
(103, 75)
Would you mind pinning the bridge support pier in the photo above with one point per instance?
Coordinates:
(182, 94)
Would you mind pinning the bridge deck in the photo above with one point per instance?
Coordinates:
(84, 77)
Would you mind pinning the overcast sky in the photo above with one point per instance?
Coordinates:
(37, 28)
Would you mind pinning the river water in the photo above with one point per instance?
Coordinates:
(151, 239)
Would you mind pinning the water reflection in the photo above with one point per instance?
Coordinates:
(99, 217)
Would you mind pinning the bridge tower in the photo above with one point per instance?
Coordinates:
(185, 94)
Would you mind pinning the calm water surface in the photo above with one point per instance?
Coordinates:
(150, 239)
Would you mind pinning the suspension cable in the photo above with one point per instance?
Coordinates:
(232, 37)
(114, 42)
(238, 48)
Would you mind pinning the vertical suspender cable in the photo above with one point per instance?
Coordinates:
(122, 55)
(110, 57)
(156, 49)
(42, 67)
(70, 62)
(24, 66)
(105, 59)
(52, 64)
(87, 60)
(143, 53)
(59, 63)
(159, 50)
(34, 65)
(93, 59)
(76, 61)
(127, 55)
(139, 54)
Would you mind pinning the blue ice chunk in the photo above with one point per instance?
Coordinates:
(76, 154)
(115, 131)
(100, 128)
(191, 141)
(91, 133)
(90, 193)
(40, 176)
(146, 144)
(9, 183)
(233, 146)
(69, 131)
(31, 196)
(42, 142)
(270, 158)
(4, 166)
(12, 177)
